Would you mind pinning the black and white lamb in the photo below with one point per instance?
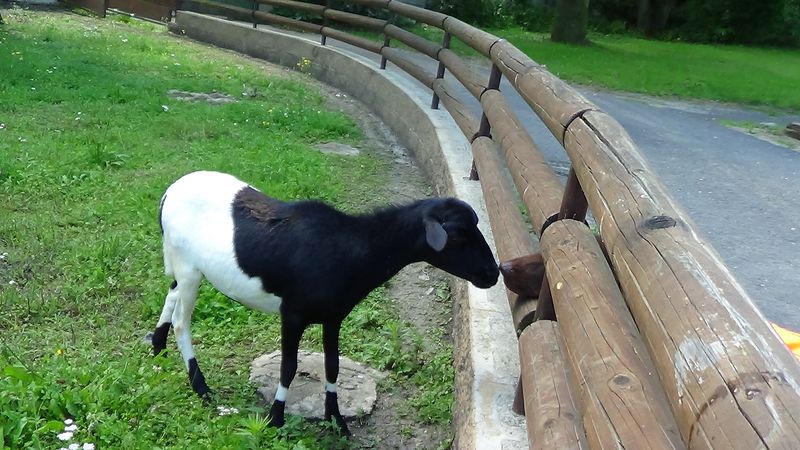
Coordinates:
(304, 260)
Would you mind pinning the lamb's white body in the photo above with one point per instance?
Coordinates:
(198, 242)
(198, 238)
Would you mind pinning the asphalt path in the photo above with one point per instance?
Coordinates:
(743, 193)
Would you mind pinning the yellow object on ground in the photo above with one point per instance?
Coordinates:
(791, 339)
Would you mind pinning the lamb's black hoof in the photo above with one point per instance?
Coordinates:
(198, 380)
(276, 414)
(342, 425)
(159, 338)
(332, 411)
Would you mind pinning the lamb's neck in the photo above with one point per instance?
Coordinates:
(394, 239)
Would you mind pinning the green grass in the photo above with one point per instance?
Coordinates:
(88, 143)
(753, 76)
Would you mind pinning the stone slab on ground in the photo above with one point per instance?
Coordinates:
(356, 385)
(337, 148)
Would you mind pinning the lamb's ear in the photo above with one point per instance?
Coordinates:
(435, 234)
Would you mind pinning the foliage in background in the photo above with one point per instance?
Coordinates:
(767, 22)
(532, 16)
(764, 23)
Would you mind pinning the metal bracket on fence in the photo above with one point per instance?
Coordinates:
(574, 204)
(323, 39)
(386, 40)
(473, 172)
(440, 70)
(485, 128)
(550, 220)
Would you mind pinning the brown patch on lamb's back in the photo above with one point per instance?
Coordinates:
(257, 204)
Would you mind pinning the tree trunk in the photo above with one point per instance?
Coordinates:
(643, 8)
(569, 25)
(652, 16)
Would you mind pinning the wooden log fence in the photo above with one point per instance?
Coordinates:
(640, 336)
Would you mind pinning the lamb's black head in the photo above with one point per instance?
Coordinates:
(457, 245)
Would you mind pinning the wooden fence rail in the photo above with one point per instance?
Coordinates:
(655, 344)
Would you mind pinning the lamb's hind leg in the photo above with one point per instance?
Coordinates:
(188, 285)
(165, 321)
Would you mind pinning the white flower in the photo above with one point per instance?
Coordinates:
(224, 411)
(165, 108)
(125, 40)
(73, 428)
(2, 126)
(74, 446)
(65, 436)
(88, 446)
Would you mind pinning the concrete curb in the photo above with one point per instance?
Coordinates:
(486, 355)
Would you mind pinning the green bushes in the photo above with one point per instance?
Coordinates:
(766, 23)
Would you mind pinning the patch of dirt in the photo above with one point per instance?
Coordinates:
(213, 97)
(769, 133)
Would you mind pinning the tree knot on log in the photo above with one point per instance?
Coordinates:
(659, 222)
(621, 380)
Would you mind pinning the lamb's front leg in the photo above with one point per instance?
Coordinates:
(291, 332)
(330, 343)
